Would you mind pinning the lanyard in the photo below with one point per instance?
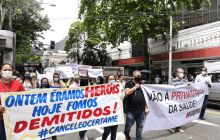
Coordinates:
(4, 86)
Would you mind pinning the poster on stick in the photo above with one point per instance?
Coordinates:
(94, 73)
(172, 106)
(83, 69)
(75, 67)
(41, 114)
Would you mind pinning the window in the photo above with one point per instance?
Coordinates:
(139, 53)
(191, 43)
(2, 43)
(177, 45)
(198, 42)
(194, 42)
(210, 38)
(180, 44)
(202, 41)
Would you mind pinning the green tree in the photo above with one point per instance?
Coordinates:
(28, 25)
(136, 19)
(94, 52)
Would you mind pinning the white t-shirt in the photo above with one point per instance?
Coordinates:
(201, 78)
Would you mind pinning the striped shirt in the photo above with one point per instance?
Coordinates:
(178, 81)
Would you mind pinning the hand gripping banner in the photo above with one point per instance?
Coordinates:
(172, 106)
(41, 114)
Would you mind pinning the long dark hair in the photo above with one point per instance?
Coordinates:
(28, 78)
(48, 86)
(101, 79)
(58, 77)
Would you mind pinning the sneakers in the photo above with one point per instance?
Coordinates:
(172, 130)
(127, 137)
(180, 130)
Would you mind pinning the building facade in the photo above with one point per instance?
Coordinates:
(7, 47)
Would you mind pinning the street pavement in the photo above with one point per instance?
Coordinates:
(196, 130)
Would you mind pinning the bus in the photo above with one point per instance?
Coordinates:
(32, 67)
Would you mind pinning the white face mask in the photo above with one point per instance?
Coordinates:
(7, 74)
(203, 73)
(181, 75)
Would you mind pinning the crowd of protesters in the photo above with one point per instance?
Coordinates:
(137, 109)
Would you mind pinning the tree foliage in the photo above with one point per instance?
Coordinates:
(24, 18)
(94, 52)
(136, 19)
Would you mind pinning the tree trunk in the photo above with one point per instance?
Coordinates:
(2, 10)
(10, 18)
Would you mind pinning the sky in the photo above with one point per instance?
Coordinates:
(66, 12)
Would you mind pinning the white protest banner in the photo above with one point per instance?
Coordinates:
(65, 72)
(41, 114)
(94, 73)
(75, 67)
(49, 73)
(113, 71)
(172, 106)
(83, 69)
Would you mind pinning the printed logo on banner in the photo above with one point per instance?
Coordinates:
(49, 113)
(194, 112)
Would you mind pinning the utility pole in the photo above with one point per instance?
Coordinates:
(170, 51)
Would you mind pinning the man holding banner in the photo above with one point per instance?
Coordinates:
(203, 77)
(137, 106)
(178, 81)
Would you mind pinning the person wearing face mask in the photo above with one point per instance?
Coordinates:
(90, 82)
(203, 77)
(27, 82)
(179, 80)
(7, 85)
(76, 82)
(136, 106)
(56, 81)
(100, 80)
(110, 129)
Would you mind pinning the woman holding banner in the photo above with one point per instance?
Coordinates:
(27, 82)
(45, 84)
(110, 129)
(7, 85)
(56, 81)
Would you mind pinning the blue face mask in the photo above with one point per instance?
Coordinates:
(111, 82)
(56, 79)
(44, 85)
(27, 76)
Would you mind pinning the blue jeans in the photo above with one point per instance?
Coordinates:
(2, 130)
(139, 118)
(82, 134)
(107, 130)
(204, 106)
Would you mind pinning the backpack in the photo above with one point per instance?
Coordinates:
(125, 101)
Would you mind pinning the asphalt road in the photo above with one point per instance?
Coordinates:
(196, 130)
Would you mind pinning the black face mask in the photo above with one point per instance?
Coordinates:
(138, 79)
(91, 83)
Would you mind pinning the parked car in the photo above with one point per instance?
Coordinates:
(214, 91)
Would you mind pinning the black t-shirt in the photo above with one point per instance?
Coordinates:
(135, 101)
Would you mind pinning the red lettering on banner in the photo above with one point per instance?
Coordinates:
(97, 112)
(89, 90)
(103, 90)
(49, 122)
(178, 95)
(117, 88)
(109, 89)
(85, 115)
(107, 110)
(17, 126)
(78, 115)
(62, 118)
(71, 115)
(97, 91)
(173, 95)
(34, 124)
(113, 88)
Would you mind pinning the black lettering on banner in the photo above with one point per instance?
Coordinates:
(167, 96)
(172, 108)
